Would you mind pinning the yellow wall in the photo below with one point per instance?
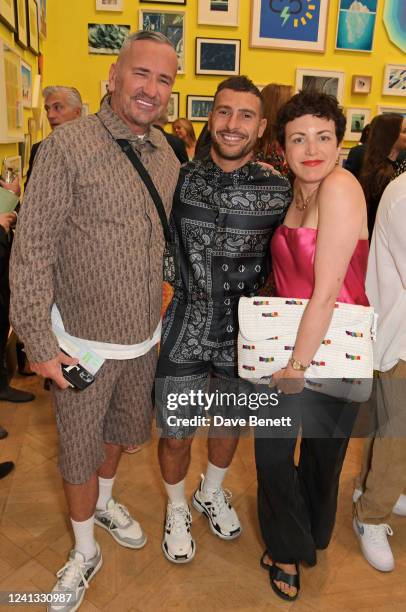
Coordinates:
(67, 61)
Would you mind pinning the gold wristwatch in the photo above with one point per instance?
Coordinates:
(297, 365)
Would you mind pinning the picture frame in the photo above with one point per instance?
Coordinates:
(24, 151)
(304, 30)
(357, 119)
(42, 18)
(170, 23)
(218, 12)
(20, 34)
(218, 56)
(384, 110)
(327, 81)
(342, 156)
(109, 5)
(173, 107)
(356, 29)
(11, 108)
(26, 84)
(32, 26)
(181, 2)
(198, 107)
(394, 80)
(106, 38)
(104, 88)
(361, 84)
(8, 14)
(394, 18)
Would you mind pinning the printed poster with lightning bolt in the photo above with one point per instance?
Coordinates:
(289, 24)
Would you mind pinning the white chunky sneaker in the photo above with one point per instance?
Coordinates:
(117, 520)
(400, 507)
(374, 544)
(223, 519)
(178, 544)
(73, 580)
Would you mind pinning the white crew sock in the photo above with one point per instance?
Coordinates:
(214, 477)
(176, 492)
(84, 537)
(105, 492)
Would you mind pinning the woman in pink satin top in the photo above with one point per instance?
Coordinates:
(320, 253)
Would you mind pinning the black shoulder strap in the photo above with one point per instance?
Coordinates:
(142, 171)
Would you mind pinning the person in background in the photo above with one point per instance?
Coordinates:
(203, 143)
(320, 253)
(88, 218)
(268, 148)
(7, 221)
(386, 140)
(381, 485)
(183, 129)
(355, 158)
(61, 104)
(175, 142)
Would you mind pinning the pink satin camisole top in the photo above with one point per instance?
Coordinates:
(293, 251)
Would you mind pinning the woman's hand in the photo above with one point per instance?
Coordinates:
(288, 381)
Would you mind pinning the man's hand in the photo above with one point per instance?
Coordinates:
(7, 220)
(52, 369)
(14, 186)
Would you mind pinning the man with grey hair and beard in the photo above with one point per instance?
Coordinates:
(91, 223)
(61, 104)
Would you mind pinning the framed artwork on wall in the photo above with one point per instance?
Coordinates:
(218, 56)
(218, 12)
(20, 35)
(356, 25)
(327, 81)
(384, 110)
(42, 18)
(170, 23)
(394, 18)
(109, 5)
(26, 84)
(7, 14)
(394, 80)
(199, 107)
(357, 119)
(11, 107)
(342, 156)
(106, 38)
(297, 25)
(361, 84)
(173, 107)
(32, 26)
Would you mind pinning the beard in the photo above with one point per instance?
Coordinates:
(239, 153)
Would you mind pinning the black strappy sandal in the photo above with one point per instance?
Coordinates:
(275, 573)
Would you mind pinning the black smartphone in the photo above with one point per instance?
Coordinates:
(76, 375)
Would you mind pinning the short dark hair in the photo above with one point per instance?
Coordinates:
(240, 83)
(310, 103)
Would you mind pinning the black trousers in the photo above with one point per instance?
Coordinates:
(297, 504)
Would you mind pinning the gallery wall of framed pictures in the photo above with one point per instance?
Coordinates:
(330, 45)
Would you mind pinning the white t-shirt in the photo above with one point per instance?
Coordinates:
(386, 275)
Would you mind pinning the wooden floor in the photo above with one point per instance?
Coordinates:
(35, 537)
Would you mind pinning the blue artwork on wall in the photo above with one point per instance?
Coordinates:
(394, 18)
(289, 24)
(356, 25)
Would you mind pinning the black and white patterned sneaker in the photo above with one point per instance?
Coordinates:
(178, 544)
(119, 523)
(223, 519)
(73, 580)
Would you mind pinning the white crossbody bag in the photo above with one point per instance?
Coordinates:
(343, 365)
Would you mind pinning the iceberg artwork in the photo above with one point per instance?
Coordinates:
(356, 25)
